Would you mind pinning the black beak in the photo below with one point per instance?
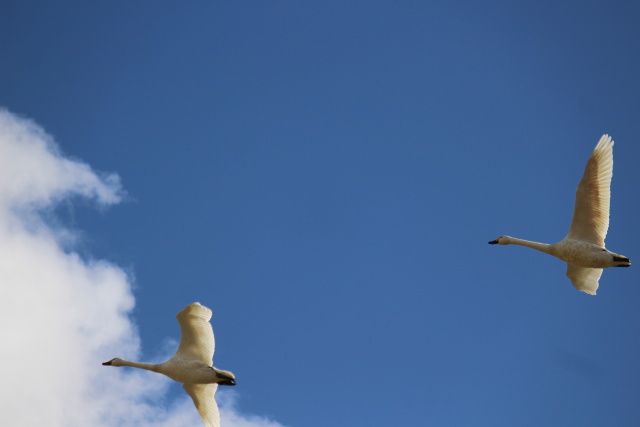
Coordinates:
(107, 363)
(493, 242)
(228, 382)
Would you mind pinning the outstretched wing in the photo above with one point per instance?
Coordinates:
(203, 396)
(197, 341)
(591, 212)
(583, 278)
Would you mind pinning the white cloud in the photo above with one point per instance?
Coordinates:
(60, 313)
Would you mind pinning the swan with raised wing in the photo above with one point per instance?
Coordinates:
(192, 364)
(583, 249)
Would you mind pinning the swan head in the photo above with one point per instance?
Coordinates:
(224, 377)
(114, 362)
(502, 240)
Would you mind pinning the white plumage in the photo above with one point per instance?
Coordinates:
(192, 364)
(583, 249)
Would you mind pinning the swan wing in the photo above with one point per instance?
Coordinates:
(204, 399)
(584, 279)
(591, 212)
(197, 341)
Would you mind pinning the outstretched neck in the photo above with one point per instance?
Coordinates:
(542, 247)
(148, 366)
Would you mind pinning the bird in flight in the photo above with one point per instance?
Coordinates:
(192, 365)
(583, 249)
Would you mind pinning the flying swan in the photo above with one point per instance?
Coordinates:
(192, 364)
(583, 249)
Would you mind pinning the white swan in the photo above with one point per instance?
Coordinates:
(583, 249)
(192, 363)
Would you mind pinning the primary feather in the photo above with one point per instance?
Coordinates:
(591, 211)
(197, 340)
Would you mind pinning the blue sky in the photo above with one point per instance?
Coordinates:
(325, 177)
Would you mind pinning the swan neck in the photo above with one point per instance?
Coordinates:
(542, 247)
(147, 366)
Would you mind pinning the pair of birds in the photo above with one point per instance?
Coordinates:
(583, 250)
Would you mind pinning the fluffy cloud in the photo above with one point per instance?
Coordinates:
(60, 313)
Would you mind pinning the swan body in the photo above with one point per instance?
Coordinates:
(576, 252)
(180, 370)
(583, 249)
(192, 364)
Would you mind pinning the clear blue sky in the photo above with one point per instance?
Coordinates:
(325, 177)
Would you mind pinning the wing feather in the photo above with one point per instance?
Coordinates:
(197, 340)
(591, 212)
(584, 279)
(203, 396)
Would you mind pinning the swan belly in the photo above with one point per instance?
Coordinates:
(188, 371)
(583, 254)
